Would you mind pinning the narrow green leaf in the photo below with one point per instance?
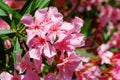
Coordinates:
(105, 35)
(25, 7)
(13, 26)
(4, 37)
(3, 13)
(86, 26)
(22, 36)
(114, 50)
(8, 9)
(103, 67)
(16, 16)
(17, 47)
(85, 53)
(2, 32)
(42, 3)
(5, 7)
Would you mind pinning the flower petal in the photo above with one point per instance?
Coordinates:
(27, 20)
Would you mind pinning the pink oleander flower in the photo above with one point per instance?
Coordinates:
(23, 64)
(16, 4)
(78, 24)
(31, 75)
(43, 20)
(105, 57)
(103, 48)
(69, 43)
(8, 76)
(116, 69)
(104, 54)
(59, 30)
(48, 34)
(115, 16)
(50, 76)
(116, 73)
(5, 76)
(4, 25)
(93, 73)
(107, 13)
(68, 66)
(114, 41)
(39, 46)
(86, 4)
(47, 26)
(89, 72)
(7, 44)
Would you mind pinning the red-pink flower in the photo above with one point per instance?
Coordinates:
(39, 46)
(69, 43)
(68, 66)
(16, 4)
(8, 76)
(106, 56)
(78, 24)
(7, 44)
(31, 75)
(50, 76)
(43, 20)
(4, 25)
(23, 64)
(93, 73)
(5, 76)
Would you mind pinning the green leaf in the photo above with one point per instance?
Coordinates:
(86, 26)
(3, 13)
(105, 35)
(16, 16)
(103, 67)
(78, 51)
(32, 7)
(13, 26)
(4, 37)
(2, 32)
(17, 47)
(114, 50)
(25, 7)
(42, 3)
(5, 7)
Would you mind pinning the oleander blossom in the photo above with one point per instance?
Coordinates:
(16, 4)
(116, 69)
(104, 54)
(47, 32)
(5, 26)
(68, 66)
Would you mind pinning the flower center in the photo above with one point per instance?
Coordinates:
(15, 78)
(24, 64)
(36, 27)
(42, 41)
(54, 29)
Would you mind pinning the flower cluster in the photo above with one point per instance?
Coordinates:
(49, 43)
(48, 36)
